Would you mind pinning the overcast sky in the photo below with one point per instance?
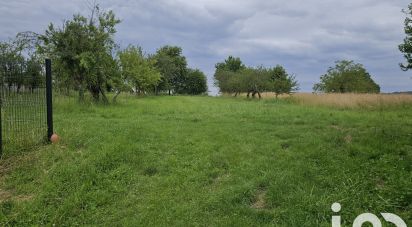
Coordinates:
(305, 36)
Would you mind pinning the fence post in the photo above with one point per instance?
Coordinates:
(49, 100)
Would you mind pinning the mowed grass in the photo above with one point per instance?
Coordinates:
(204, 161)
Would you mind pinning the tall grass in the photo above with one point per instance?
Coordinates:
(352, 100)
(348, 100)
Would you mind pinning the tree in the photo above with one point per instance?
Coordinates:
(117, 82)
(138, 70)
(229, 82)
(19, 66)
(11, 61)
(172, 66)
(34, 73)
(282, 82)
(232, 64)
(226, 77)
(346, 77)
(84, 48)
(406, 46)
(232, 76)
(195, 83)
(254, 81)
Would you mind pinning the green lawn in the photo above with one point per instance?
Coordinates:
(207, 161)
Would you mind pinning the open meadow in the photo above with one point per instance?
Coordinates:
(213, 161)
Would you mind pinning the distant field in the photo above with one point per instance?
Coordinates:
(347, 100)
(214, 161)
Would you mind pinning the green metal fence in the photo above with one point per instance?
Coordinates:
(26, 105)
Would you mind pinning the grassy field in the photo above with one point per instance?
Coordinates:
(204, 161)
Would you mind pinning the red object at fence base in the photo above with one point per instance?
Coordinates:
(54, 138)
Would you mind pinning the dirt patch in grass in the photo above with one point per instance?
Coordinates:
(260, 197)
(5, 195)
(9, 196)
(337, 128)
(348, 139)
(150, 171)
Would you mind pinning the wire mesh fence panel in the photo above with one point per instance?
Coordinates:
(23, 105)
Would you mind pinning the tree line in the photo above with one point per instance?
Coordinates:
(233, 77)
(19, 68)
(87, 59)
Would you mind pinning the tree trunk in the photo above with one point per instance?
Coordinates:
(248, 94)
(114, 100)
(254, 94)
(259, 95)
(104, 97)
(81, 93)
(96, 96)
(95, 90)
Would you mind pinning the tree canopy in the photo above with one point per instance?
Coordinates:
(232, 76)
(282, 82)
(138, 70)
(84, 48)
(18, 66)
(195, 82)
(406, 46)
(345, 77)
(172, 66)
(232, 64)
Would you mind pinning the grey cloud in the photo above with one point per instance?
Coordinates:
(305, 36)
